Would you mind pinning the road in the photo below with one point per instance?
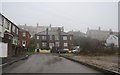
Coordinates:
(47, 63)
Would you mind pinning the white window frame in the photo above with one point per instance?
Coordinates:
(7, 24)
(44, 37)
(70, 37)
(57, 44)
(64, 37)
(50, 37)
(37, 37)
(65, 44)
(24, 34)
(56, 37)
(13, 28)
(1, 20)
(17, 31)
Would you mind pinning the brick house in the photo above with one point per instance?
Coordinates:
(50, 39)
(24, 38)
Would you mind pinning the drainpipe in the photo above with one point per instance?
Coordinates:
(47, 37)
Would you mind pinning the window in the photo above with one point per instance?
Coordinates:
(43, 37)
(57, 44)
(13, 28)
(0, 19)
(64, 37)
(24, 34)
(44, 44)
(70, 37)
(65, 44)
(37, 37)
(56, 37)
(50, 37)
(7, 24)
(17, 31)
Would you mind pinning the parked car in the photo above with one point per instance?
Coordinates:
(62, 50)
(75, 50)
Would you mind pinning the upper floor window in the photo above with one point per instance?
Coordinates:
(37, 37)
(43, 37)
(57, 44)
(7, 24)
(17, 31)
(24, 34)
(56, 37)
(64, 37)
(50, 37)
(70, 37)
(13, 28)
(1, 20)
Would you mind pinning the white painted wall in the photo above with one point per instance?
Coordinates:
(3, 28)
(112, 39)
(1, 32)
(3, 49)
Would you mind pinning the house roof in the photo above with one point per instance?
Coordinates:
(100, 34)
(52, 33)
(77, 33)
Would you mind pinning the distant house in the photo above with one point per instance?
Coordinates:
(99, 34)
(24, 38)
(31, 29)
(77, 33)
(53, 38)
(39, 28)
(50, 28)
(112, 40)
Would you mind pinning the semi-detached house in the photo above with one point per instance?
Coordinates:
(51, 39)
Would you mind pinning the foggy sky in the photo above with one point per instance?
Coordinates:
(71, 15)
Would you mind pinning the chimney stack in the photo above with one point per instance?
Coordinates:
(59, 31)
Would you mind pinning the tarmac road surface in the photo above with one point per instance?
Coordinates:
(47, 63)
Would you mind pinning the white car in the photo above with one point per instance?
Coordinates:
(75, 51)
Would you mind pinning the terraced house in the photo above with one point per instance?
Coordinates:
(5, 34)
(51, 38)
(9, 37)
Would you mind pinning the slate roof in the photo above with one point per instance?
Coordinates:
(99, 34)
(52, 33)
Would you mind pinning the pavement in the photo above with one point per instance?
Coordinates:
(11, 60)
(47, 63)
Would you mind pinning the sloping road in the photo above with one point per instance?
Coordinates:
(47, 63)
